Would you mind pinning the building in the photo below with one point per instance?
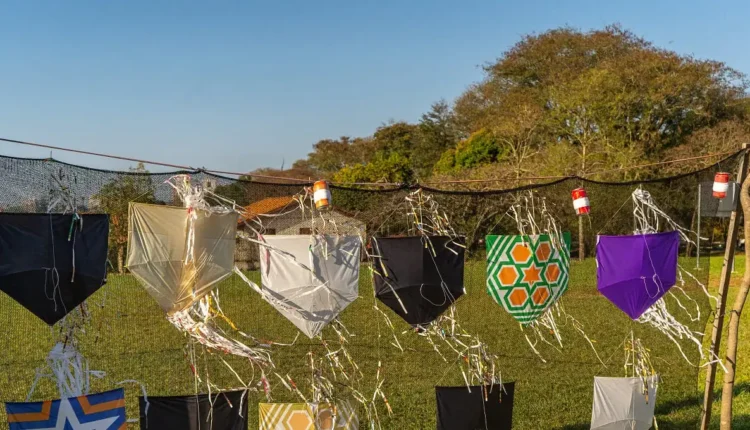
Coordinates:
(283, 215)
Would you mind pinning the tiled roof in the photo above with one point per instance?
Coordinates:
(267, 206)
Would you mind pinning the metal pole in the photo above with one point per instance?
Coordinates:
(726, 273)
(698, 242)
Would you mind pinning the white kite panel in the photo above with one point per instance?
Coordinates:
(621, 404)
(310, 279)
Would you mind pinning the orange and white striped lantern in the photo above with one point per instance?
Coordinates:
(580, 201)
(721, 185)
(321, 195)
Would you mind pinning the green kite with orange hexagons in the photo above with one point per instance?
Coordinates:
(527, 274)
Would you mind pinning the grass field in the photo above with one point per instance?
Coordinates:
(130, 339)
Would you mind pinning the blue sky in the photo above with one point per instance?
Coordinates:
(240, 85)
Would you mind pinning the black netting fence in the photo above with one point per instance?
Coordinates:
(130, 339)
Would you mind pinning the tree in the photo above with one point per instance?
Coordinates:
(114, 198)
(437, 133)
(330, 156)
(518, 132)
(607, 99)
(479, 149)
(605, 88)
(392, 168)
(396, 137)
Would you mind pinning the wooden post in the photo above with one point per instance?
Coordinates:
(581, 244)
(726, 273)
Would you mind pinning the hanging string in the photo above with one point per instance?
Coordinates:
(378, 184)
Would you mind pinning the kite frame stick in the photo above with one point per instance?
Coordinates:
(726, 274)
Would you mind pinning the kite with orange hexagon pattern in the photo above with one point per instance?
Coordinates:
(527, 274)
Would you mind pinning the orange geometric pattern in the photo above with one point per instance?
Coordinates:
(32, 416)
(508, 275)
(531, 275)
(543, 251)
(518, 296)
(527, 274)
(552, 272)
(307, 416)
(540, 295)
(521, 253)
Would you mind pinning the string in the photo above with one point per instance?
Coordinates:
(378, 184)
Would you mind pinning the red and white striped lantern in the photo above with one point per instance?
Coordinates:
(721, 185)
(580, 201)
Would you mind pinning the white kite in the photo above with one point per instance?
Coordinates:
(309, 279)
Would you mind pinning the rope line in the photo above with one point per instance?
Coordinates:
(395, 186)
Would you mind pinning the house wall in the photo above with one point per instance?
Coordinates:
(246, 253)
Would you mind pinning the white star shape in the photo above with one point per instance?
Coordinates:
(66, 414)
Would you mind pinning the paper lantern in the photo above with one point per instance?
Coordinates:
(721, 185)
(580, 201)
(321, 195)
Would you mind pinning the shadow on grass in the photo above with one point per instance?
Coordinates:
(665, 409)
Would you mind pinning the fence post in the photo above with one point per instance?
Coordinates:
(726, 273)
(698, 227)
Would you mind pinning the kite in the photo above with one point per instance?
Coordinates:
(102, 411)
(419, 277)
(475, 407)
(637, 273)
(527, 274)
(217, 411)
(179, 254)
(634, 272)
(619, 403)
(307, 416)
(310, 279)
(52, 262)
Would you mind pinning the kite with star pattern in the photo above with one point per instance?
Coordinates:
(527, 274)
(101, 411)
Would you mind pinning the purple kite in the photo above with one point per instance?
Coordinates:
(634, 272)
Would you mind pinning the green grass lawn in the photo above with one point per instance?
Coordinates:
(130, 339)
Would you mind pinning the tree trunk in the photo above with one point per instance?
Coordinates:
(120, 258)
(581, 244)
(734, 320)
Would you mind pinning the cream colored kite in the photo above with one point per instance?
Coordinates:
(179, 254)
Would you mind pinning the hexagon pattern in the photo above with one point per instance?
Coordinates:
(307, 416)
(527, 274)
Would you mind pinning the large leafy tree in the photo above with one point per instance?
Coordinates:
(114, 197)
(602, 92)
(601, 101)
